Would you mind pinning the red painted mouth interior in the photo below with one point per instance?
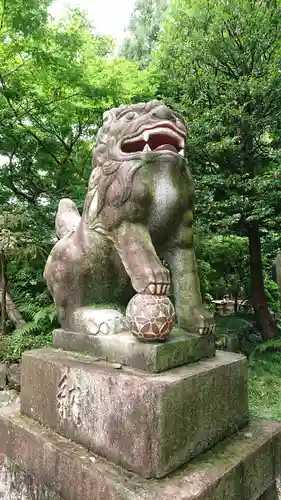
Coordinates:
(156, 142)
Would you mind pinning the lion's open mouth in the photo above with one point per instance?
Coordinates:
(159, 138)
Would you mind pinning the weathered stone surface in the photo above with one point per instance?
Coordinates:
(3, 375)
(259, 470)
(14, 376)
(16, 484)
(149, 423)
(74, 473)
(270, 494)
(181, 348)
(8, 396)
(138, 211)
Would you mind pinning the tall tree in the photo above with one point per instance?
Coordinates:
(55, 83)
(222, 64)
(143, 29)
(56, 80)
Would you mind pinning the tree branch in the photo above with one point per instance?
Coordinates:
(3, 14)
(234, 37)
(16, 68)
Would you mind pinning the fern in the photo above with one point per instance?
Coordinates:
(44, 320)
(37, 332)
(28, 310)
(46, 314)
(269, 345)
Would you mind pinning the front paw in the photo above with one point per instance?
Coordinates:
(199, 321)
(206, 323)
(155, 280)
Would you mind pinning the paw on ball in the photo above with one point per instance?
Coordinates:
(150, 317)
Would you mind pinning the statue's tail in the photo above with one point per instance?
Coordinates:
(67, 219)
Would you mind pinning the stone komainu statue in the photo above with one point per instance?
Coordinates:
(138, 213)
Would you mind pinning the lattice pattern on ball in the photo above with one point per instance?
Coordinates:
(150, 317)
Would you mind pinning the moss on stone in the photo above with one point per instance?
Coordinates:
(104, 305)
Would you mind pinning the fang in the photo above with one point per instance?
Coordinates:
(146, 148)
(145, 135)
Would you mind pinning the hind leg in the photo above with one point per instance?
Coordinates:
(77, 284)
(97, 321)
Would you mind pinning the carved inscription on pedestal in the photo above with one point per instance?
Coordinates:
(69, 400)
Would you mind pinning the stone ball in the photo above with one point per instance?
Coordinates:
(150, 317)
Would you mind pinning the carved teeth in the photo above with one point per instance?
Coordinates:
(145, 135)
(166, 135)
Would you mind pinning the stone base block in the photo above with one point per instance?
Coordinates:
(16, 484)
(151, 424)
(181, 348)
(271, 493)
(242, 467)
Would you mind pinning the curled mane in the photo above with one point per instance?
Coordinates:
(107, 170)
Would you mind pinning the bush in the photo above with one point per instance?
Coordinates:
(272, 292)
(37, 332)
(264, 385)
(223, 265)
(237, 330)
(13, 346)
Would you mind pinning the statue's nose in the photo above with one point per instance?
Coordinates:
(163, 113)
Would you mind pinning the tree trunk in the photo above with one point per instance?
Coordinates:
(4, 292)
(236, 303)
(264, 319)
(12, 312)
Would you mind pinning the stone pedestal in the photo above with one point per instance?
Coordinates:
(243, 467)
(270, 493)
(179, 349)
(150, 424)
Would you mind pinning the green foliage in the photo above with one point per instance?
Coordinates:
(17, 237)
(24, 17)
(264, 383)
(223, 265)
(55, 85)
(237, 332)
(40, 319)
(269, 345)
(142, 33)
(37, 332)
(12, 347)
(273, 297)
(221, 60)
(222, 64)
(238, 323)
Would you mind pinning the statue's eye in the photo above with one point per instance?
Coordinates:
(130, 116)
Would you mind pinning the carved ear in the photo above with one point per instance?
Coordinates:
(153, 104)
(109, 116)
